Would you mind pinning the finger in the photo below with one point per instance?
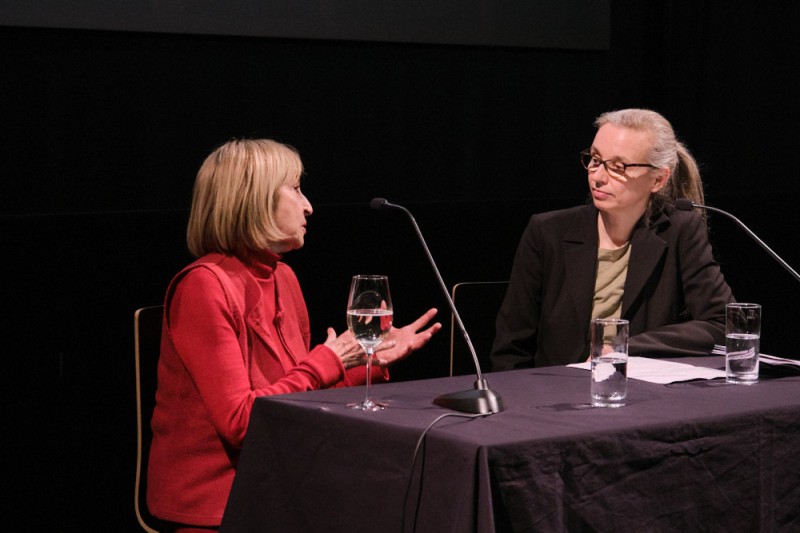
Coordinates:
(385, 345)
(430, 332)
(331, 335)
(433, 329)
(424, 319)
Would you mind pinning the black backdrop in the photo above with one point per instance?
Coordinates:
(103, 132)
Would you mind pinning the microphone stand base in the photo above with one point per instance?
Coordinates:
(480, 401)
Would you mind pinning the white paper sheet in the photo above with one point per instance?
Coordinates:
(660, 371)
(790, 365)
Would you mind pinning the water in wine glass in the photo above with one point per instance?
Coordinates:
(370, 326)
(369, 318)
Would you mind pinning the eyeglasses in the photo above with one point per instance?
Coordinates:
(615, 169)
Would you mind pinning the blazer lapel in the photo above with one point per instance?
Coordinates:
(580, 255)
(647, 249)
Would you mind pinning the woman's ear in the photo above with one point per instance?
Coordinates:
(661, 179)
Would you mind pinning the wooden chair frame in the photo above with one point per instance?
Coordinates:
(147, 334)
(477, 303)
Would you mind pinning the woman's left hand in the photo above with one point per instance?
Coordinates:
(402, 341)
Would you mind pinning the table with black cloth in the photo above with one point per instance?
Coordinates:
(692, 456)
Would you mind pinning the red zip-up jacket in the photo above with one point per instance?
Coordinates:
(231, 332)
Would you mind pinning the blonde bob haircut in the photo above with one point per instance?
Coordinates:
(235, 196)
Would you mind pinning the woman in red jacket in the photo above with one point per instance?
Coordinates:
(236, 327)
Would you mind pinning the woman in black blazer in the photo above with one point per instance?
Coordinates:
(629, 254)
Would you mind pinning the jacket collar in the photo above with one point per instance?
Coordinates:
(580, 250)
(647, 250)
(580, 253)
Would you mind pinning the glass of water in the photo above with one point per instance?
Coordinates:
(609, 362)
(369, 317)
(742, 342)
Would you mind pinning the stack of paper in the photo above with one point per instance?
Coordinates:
(660, 371)
(771, 361)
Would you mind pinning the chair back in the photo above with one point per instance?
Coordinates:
(477, 303)
(147, 346)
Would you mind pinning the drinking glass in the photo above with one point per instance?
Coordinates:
(369, 318)
(609, 352)
(742, 342)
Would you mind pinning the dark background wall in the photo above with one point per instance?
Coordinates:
(104, 129)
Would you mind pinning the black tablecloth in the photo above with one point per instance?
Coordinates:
(695, 456)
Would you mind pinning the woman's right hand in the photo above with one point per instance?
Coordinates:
(346, 347)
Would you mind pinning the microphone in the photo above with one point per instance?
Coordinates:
(684, 204)
(481, 399)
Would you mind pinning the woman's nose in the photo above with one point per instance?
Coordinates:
(600, 175)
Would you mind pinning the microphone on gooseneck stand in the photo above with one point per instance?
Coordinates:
(481, 399)
(684, 204)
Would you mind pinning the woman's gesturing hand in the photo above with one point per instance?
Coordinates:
(402, 341)
(398, 344)
(346, 347)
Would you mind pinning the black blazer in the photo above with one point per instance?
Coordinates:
(674, 297)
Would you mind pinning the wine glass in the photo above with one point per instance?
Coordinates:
(369, 318)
